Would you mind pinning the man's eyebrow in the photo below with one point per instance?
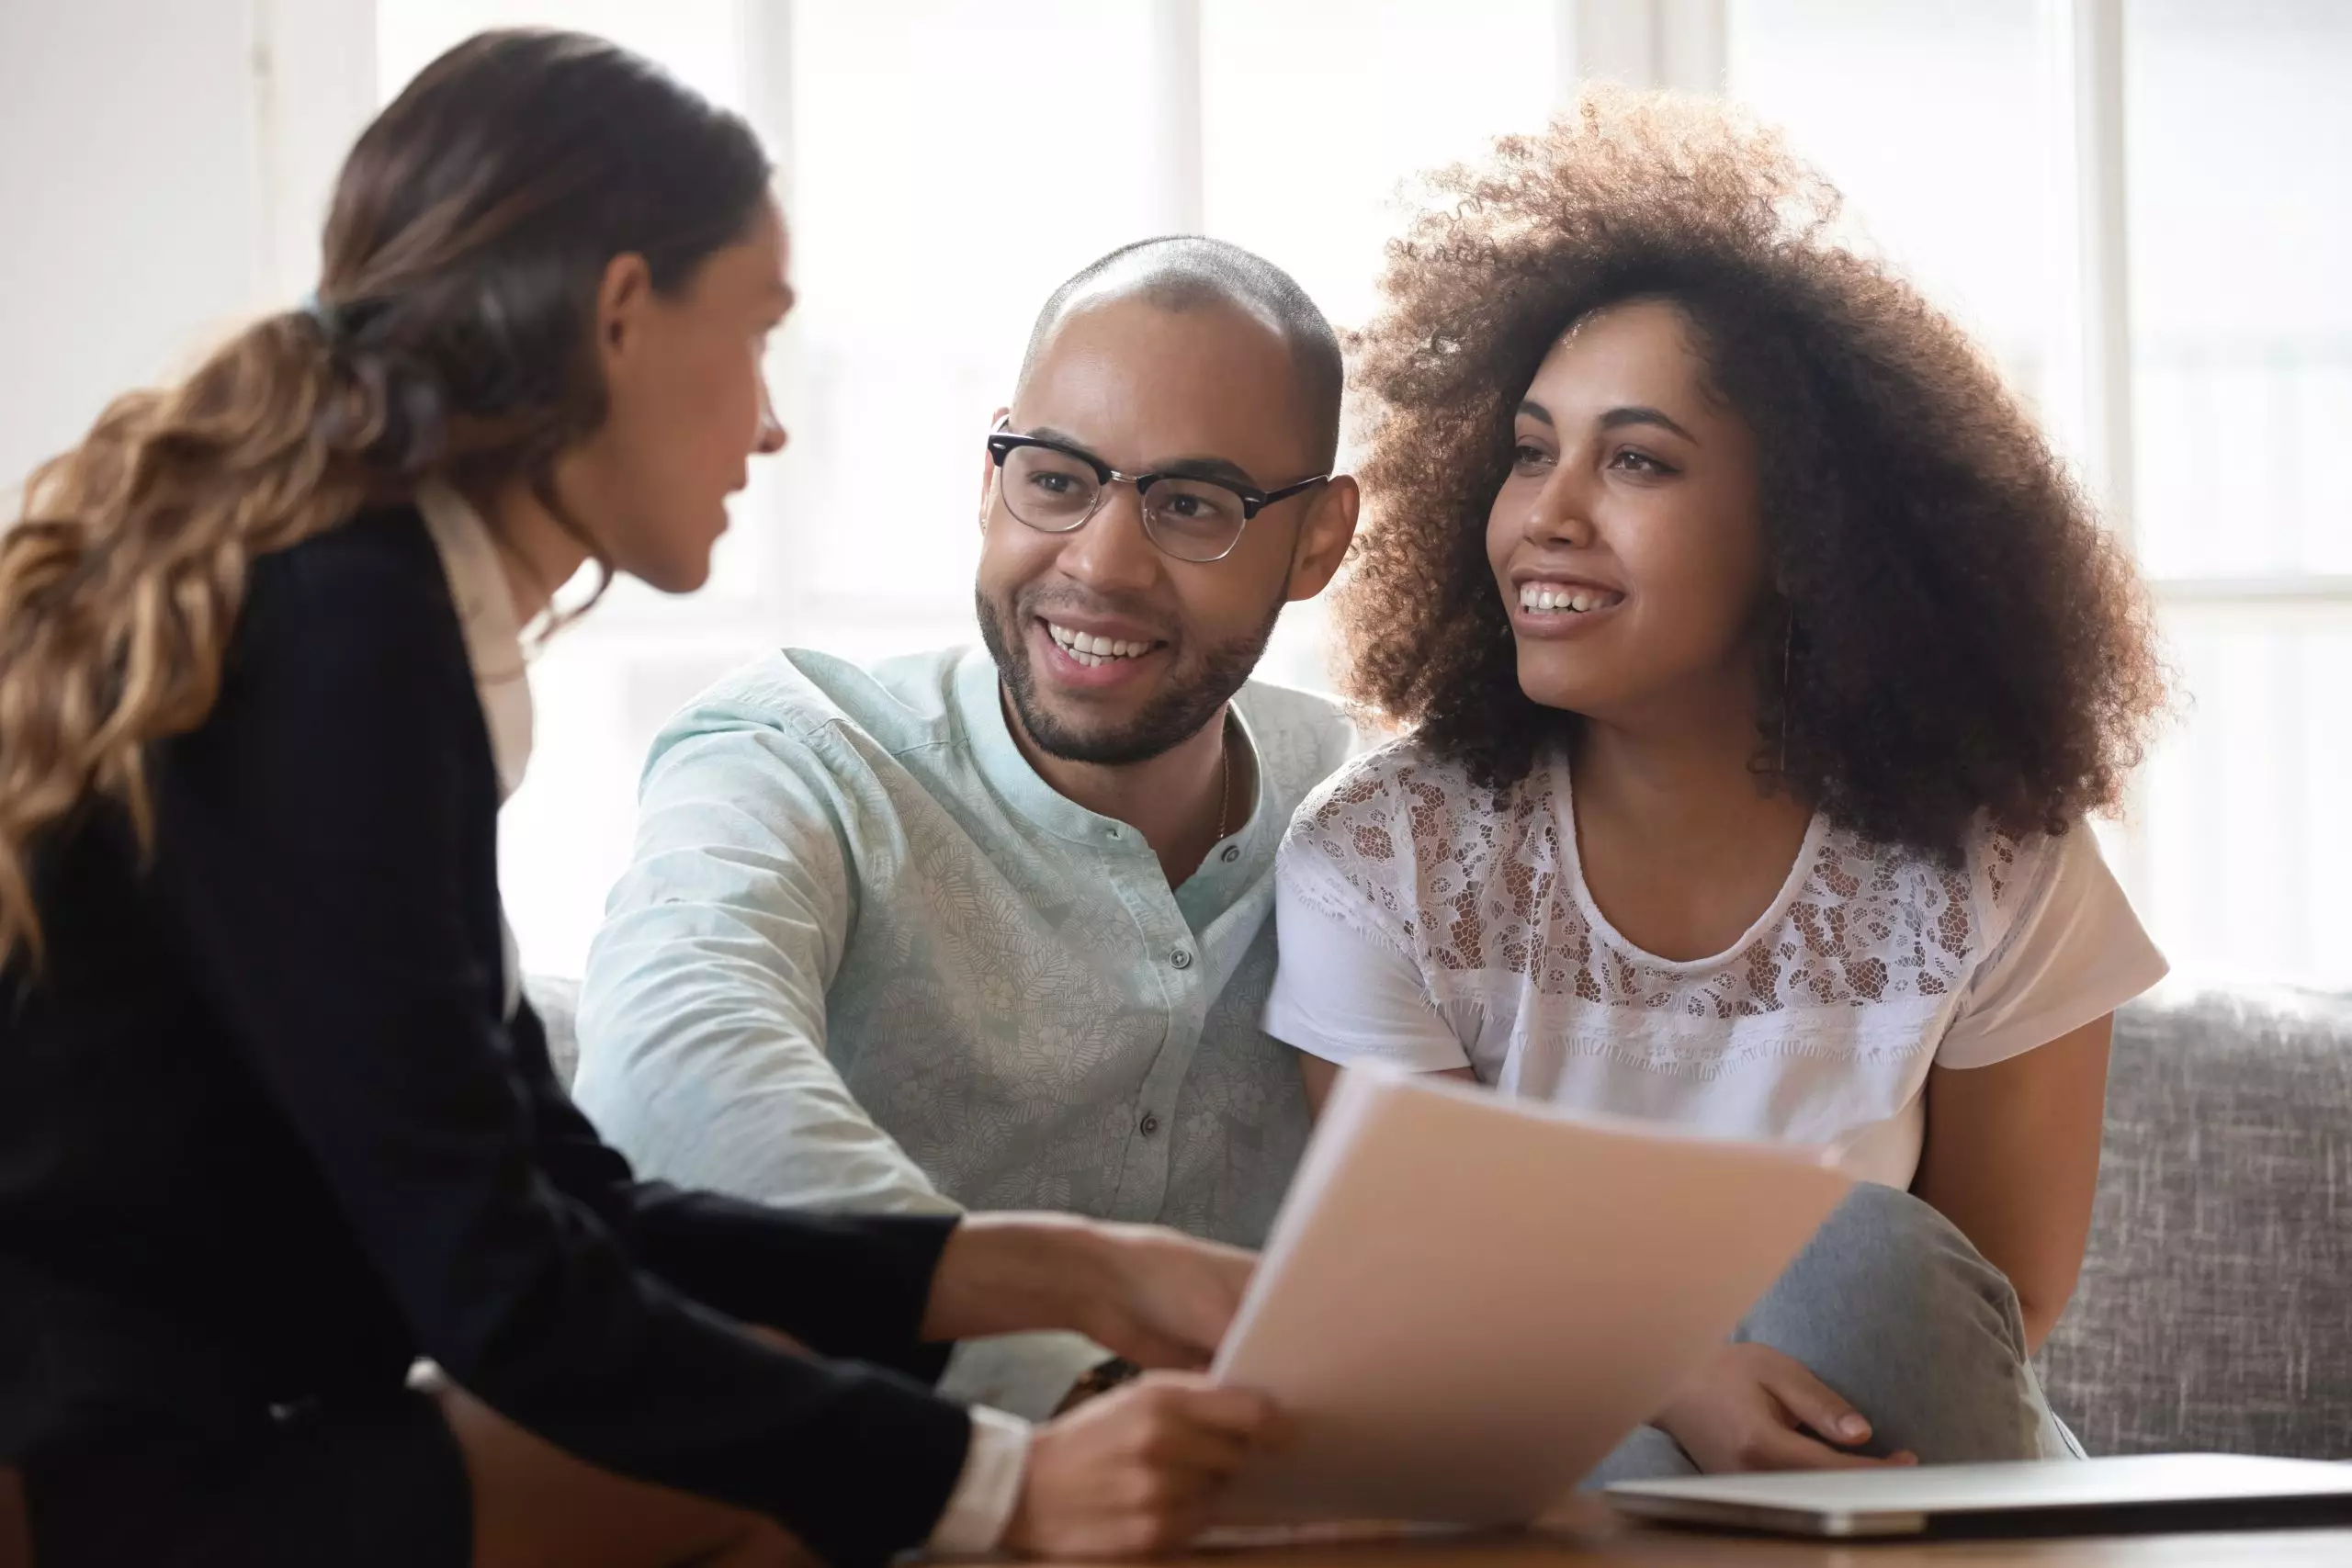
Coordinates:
(1221, 469)
(1062, 438)
(1637, 413)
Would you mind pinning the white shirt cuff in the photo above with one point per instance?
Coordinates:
(1026, 1375)
(986, 1493)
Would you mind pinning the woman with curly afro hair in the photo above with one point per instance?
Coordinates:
(1761, 664)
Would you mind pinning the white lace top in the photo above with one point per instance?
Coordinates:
(1434, 925)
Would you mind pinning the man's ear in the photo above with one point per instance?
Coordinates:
(987, 464)
(1324, 538)
(622, 296)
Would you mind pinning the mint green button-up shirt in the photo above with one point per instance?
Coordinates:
(867, 958)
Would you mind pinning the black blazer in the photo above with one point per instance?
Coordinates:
(265, 1136)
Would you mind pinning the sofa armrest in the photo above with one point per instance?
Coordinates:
(557, 1001)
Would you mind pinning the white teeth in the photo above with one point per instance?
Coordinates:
(1540, 596)
(1089, 650)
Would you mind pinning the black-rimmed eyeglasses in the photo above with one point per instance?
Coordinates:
(1055, 488)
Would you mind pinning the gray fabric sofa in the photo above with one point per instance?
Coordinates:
(2215, 1309)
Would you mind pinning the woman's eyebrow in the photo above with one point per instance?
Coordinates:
(1640, 414)
(1630, 413)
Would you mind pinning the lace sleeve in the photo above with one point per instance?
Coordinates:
(1351, 979)
(1349, 855)
(2064, 948)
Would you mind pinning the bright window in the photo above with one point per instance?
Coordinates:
(1940, 167)
(946, 161)
(2239, 179)
(2236, 164)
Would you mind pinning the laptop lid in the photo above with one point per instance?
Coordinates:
(2062, 1496)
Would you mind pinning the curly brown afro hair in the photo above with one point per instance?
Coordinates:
(1963, 637)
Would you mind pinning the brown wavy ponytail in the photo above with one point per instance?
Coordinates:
(119, 586)
(470, 229)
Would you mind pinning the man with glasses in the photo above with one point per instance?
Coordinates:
(990, 928)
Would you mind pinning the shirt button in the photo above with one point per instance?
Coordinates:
(1181, 958)
(1150, 1123)
(1232, 853)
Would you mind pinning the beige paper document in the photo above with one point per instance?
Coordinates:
(1468, 1300)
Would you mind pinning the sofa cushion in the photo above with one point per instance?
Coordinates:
(2215, 1307)
(558, 1004)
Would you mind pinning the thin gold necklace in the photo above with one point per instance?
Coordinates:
(1224, 785)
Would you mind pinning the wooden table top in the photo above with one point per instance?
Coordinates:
(1594, 1537)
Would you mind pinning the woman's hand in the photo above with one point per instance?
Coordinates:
(1753, 1408)
(1156, 1297)
(1133, 1472)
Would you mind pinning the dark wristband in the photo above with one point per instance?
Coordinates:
(1097, 1379)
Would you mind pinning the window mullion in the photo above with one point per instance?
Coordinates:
(2087, 393)
(2094, 59)
(1176, 104)
(1642, 44)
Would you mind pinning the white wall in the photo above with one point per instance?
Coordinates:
(145, 207)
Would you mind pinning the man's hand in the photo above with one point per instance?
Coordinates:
(1169, 1297)
(1135, 1472)
(1753, 1408)
(1156, 1297)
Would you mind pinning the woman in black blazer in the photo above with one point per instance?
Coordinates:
(274, 1125)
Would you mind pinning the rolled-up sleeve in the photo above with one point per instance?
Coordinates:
(702, 1022)
(703, 1019)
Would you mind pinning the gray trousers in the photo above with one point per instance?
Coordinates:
(1895, 1309)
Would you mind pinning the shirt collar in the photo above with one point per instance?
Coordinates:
(478, 586)
(980, 703)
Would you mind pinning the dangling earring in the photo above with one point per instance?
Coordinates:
(1788, 656)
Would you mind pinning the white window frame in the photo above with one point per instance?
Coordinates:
(2088, 69)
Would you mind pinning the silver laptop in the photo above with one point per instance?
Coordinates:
(2063, 1497)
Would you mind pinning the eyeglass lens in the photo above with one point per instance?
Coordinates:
(1195, 520)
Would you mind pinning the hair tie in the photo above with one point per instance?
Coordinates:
(329, 320)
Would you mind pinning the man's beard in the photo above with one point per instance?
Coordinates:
(1175, 714)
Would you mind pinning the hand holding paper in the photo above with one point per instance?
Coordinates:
(1467, 1299)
